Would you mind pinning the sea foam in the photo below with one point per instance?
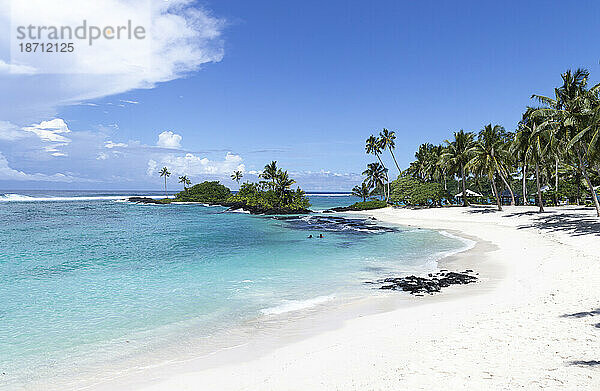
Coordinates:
(296, 305)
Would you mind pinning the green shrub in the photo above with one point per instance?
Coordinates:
(411, 191)
(253, 195)
(208, 192)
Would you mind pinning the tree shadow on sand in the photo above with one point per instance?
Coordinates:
(571, 223)
(582, 363)
(482, 211)
(582, 314)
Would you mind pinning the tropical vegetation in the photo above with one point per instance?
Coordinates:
(551, 158)
(272, 195)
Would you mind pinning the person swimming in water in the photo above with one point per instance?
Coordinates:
(320, 236)
(309, 237)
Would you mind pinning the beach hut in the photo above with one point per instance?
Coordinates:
(505, 197)
(470, 193)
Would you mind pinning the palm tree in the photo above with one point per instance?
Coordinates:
(494, 141)
(363, 191)
(373, 147)
(457, 155)
(483, 160)
(533, 135)
(574, 119)
(165, 172)
(387, 140)
(282, 184)
(237, 175)
(520, 148)
(420, 167)
(376, 175)
(270, 173)
(186, 182)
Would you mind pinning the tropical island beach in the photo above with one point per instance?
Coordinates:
(525, 325)
(288, 196)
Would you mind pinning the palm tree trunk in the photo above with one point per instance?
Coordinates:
(525, 184)
(445, 181)
(556, 182)
(166, 195)
(394, 157)
(387, 194)
(464, 186)
(589, 183)
(495, 190)
(512, 195)
(539, 189)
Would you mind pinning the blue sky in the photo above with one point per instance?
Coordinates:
(303, 83)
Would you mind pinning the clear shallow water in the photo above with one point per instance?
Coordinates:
(87, 280)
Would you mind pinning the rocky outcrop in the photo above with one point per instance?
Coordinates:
(433, 283)
(257, 210)
(145, 200)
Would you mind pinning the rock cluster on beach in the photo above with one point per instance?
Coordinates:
(433, 283)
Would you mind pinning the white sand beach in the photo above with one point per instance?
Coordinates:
(532, 322)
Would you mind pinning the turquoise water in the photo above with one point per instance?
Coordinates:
(81, 274)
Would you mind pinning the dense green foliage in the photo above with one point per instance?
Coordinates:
(255, 195)
(551, 158)
(411, 191)
(207, 192)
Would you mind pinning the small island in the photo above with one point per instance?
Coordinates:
(271, 196)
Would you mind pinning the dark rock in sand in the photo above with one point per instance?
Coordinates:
(431, 284)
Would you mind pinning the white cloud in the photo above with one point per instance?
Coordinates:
(16, 68)
(102, 156)
(168, 139)
(131, 102)
(109, 144)
(8, 173)
(192, 165)
(11, 132)
(180, 38)
(50, 131)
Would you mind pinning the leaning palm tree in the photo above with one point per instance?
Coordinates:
(270, 173)
(373, 147)
(376, 175)
(574, 119)
(534, 134)
(363, 191)
(165, 172)
(186, 182)
(237, 175)
(456, 157)
(387, 140)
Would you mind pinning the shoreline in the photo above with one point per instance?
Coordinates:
(271, 332)
(521, 331)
